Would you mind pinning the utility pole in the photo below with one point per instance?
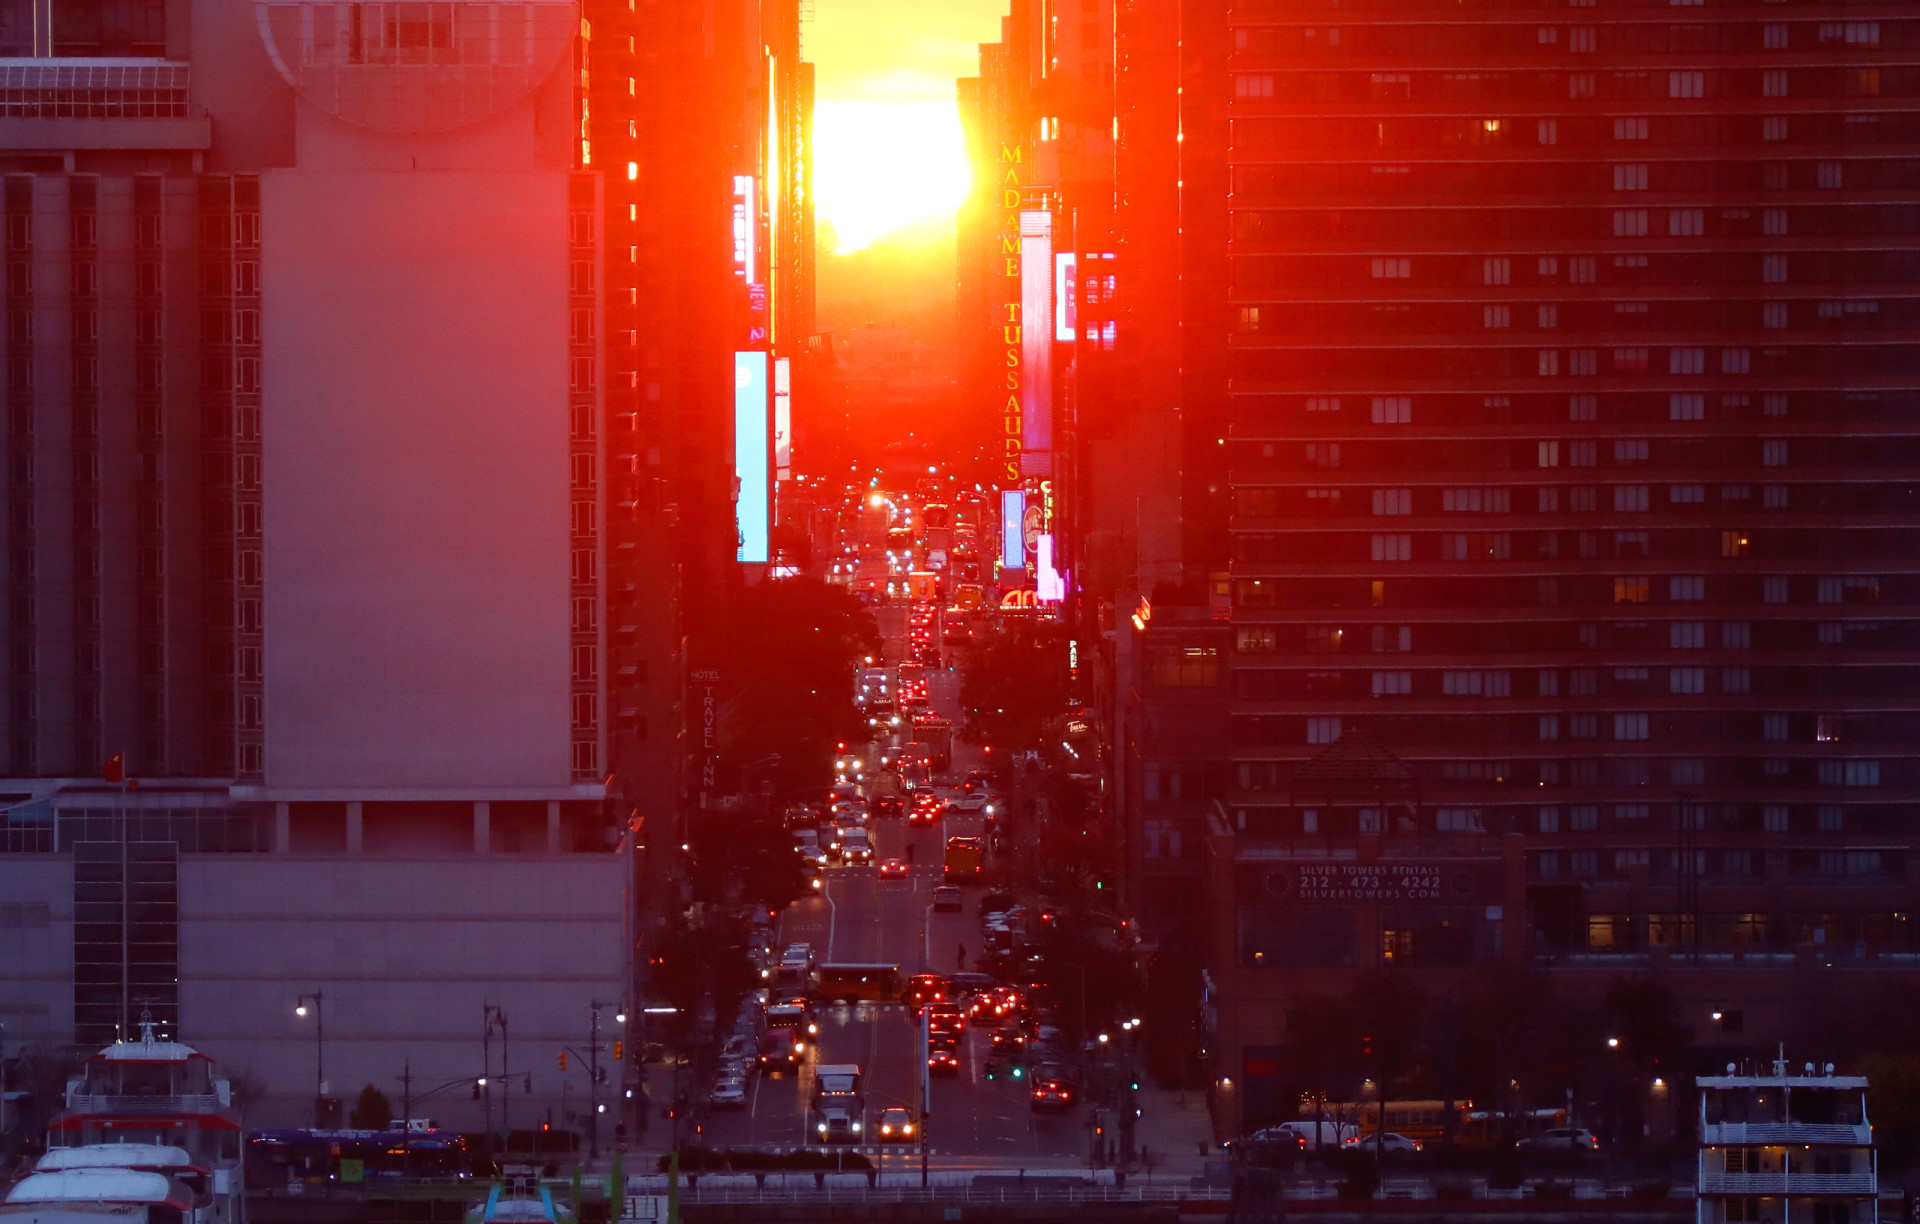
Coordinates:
(406, 1095)
(506, 1077)
(486, 1063)
(593, 1080)
(926, 1088)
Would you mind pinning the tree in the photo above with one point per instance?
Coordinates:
(371, 1110)
(789, 647)
(1014, 688)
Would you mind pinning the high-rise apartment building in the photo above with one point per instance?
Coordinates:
(308, 535)
(1574, 605)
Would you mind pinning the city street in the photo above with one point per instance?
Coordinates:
(974, 1122)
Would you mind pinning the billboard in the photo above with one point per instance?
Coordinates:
(751, 451)
(1036, 342)
(1013, 514)
(1064, 300)
(782, 418)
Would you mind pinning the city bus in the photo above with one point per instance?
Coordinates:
(858, 983)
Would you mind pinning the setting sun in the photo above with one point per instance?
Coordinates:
(883, 166)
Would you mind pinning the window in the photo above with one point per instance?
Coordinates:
(1773, 269)
(1735, 544)
(1736, 635)
(1629, 223)
(1549, 727)
(1629, 129)
(1686, 361)
(1583, 408)
(1687, 494)
(1773, 127)
(1773, 497)
(1477, 684)
(1773, 315)
(1773, 83)
(1583, 726)
(1393, 501)
(1631, 590)
(1548, 131)
(1683, 588)
(1630, 177)
(1773, 452)
(1392, 684)
(1629, 726)
(1686, 407)
(1496, 316)
(1773, 221)
(1496, 271)
(1458, 820)
(1392, 410)
(1687, 635)
(1686, 222)
(1393, 638)
(1773, 818)
(1322, 403)
(1773, 726)
(1549, 819)
(1736, 680)
(1392, 548)
(1323, 730)
(1687, 680)
(1254, 85)
(1630, 497)
(1549, 362)
(1323, 454)
(1392, 268)
(1686, 84)
(1831, 820)
(1582, 269)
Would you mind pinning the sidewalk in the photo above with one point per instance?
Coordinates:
(1175, 1129)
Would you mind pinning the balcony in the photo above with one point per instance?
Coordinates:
(102, 1103)
(1786, 1183)
(1763, 1134)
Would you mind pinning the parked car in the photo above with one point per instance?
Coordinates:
(1561, 1139)
(1389, 1141)
(1312, 1134)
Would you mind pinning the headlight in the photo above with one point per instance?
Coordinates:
(906, 1130)
(856, 1128)
(822, 1128)
(816, 883)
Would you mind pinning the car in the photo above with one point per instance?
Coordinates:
(729, 1092)
(896, 1125)
(1561, 1139)
(967, 804)
(782, 1049)
(1388, 1141)
(945, 1016)
(925, 988)
(943, 1061)
(947, 898)
(1268, 1143)
(1052, 1093)
(889, 805)
(893, 869)
(1008, 1041)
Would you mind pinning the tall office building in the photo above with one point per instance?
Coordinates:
(1574, 604)
(307, 536)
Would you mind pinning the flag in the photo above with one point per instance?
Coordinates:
(115, 770)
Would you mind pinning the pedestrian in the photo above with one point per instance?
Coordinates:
(961, 962)
(909, 852)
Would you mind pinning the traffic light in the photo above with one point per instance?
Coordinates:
(563, 1060)
(1366, 1046)
(619, 1047)
(1018, 1072)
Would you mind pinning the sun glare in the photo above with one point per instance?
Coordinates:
(879, 167)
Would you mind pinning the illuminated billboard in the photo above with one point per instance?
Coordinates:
(1013, 515)
(1036, 341)
(746, 227)
(750, 454)
(782, 418)
(1049, 585)
(1063, 296)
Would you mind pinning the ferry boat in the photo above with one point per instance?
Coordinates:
(1782, 1147)
(144, 1118)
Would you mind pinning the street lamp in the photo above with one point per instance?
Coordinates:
(315, 1002)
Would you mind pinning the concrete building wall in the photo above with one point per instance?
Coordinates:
(36, 949)
(406, 951)
(415, 380)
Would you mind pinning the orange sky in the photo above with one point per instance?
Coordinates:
(887, 152)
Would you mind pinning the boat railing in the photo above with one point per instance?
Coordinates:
(1732, 1133)
(1786, 1183)
(120, 1103)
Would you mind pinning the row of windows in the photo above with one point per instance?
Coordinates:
(1636, 681)
(1520, 85)
(1618, 37)
(1571, 130)
(1536, 635)
(1514, 183)
(1347, 274)
(1625, 320)
(1391, 224)
(1726, 865)
(1620, 772)
(1320, 503)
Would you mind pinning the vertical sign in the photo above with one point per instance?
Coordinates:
(1064, 298)
(746, 227)
(1036, 342)
(1013, 514)
(706, 700)
(1049, 584)
(1012, 426)
(782, 418)
(750, 454)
